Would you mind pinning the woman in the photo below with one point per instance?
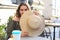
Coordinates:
(14, 24)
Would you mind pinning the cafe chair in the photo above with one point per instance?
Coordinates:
(47, 33)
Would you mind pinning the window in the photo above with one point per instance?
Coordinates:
(19, 1)
(30, 2)
(56, 8)
(15, 1)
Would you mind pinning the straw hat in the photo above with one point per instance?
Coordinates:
(33, 24)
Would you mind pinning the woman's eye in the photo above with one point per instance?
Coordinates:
(26, 9)
(21, 9)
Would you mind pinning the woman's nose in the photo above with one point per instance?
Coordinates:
(24, 11)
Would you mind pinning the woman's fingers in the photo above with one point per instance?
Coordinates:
(36, 12)
(24, 34)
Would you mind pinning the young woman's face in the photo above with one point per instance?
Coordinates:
(23, 8)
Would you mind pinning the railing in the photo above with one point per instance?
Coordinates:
(3, 6)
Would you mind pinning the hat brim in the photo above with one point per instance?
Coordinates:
(24, 25)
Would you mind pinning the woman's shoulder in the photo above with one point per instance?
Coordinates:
(15, 18)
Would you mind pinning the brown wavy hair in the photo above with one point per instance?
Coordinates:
(17, 11)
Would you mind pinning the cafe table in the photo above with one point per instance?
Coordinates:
(33, 38)
(52, 24)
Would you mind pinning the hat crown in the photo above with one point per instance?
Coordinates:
(34, 21)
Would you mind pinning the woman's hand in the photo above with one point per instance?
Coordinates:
(36, 12)
(24, 34)
(11, 36)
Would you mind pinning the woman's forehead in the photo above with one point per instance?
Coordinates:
(23, 7)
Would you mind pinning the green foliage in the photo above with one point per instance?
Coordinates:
(2, 33)
(2, 28)
(10, 18)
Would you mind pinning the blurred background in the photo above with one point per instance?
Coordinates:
(49, 9)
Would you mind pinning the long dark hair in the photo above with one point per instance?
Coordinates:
(17, 11)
